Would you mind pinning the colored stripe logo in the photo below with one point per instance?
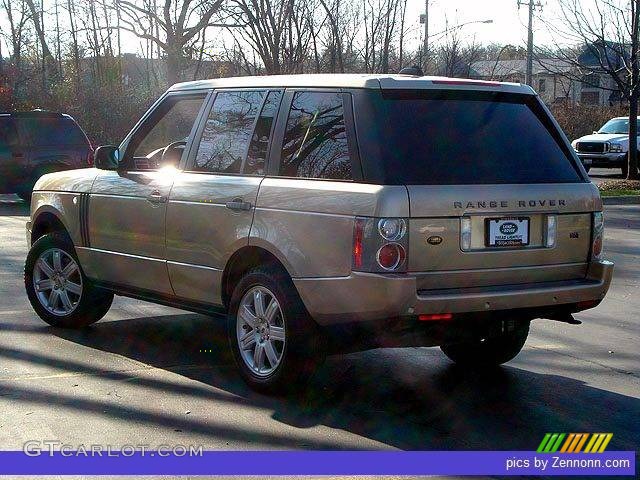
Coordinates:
(574, 442)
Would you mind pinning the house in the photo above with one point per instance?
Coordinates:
(555, 79)
(596, 86)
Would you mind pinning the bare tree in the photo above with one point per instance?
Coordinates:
(49, 66)
(607, 33)
(172, 27)
(263, 28)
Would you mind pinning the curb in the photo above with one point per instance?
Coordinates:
(622, 200)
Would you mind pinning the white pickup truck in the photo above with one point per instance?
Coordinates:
(606, 148)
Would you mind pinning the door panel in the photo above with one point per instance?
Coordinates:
(126, 225)
(208, 218)
(210, 213)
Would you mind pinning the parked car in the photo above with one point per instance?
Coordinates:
(38, 142)
(322, 213)
(606, 148)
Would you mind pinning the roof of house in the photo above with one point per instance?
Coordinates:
(378, 82)
(505, 68)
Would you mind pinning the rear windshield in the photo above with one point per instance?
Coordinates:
(53, 131)
(449, 138)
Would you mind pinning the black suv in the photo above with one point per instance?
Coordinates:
(38, 142)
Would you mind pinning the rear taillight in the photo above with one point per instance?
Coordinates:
(380, 244)
(597, 235)
(391, 256)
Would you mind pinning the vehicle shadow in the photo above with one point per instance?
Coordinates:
(13, 206)
(411, 399)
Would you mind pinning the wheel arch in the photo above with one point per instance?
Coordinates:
(243, 260)
(47, 220)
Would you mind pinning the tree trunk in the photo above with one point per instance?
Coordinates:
(174, 66)
(633, 139)
(46, 53)
(634, 91)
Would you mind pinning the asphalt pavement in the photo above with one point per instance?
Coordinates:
(139, 376)
(599, 175)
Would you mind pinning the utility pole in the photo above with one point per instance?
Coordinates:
(424, 18)
(532, 5)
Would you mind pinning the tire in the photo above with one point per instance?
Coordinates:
(282, 365)
(490, 352)
(85, 304)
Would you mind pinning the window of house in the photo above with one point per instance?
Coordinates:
(542, 85)
(228, 131)
(590, 98)
(315, 142)
(591, 80)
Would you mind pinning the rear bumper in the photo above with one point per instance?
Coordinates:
(363, 297)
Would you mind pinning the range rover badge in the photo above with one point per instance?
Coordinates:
(434, 240)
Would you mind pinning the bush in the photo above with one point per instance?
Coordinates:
(579, 120)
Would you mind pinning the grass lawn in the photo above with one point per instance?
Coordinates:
(619, 192)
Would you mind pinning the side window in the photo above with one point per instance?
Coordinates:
(8, 133)
(315, 140)
(168, 126)
(257, 153)
(228, 130)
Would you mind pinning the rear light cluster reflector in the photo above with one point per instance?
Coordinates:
(465, 233)
(550, 231)
(597, 235)
(380, 244)
(435, 316)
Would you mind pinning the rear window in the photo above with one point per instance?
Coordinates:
(53, 131)
(453, 138)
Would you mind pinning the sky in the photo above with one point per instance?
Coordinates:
(508, 27)
(509, 23)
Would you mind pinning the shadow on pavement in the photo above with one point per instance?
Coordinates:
(409, 399)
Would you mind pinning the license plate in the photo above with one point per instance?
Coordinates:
(587, 161)
(507, 232)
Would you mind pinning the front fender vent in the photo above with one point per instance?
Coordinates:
(83, 212)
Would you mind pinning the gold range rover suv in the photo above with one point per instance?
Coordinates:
(324, 213)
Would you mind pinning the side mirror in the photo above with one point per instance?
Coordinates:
(106, 157)
(594, 132)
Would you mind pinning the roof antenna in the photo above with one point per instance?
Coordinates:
(414, 70)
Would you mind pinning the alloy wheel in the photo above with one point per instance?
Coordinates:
(260, 331)
(57, 281)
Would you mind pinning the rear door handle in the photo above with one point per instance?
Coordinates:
(156, 198)
(17, 155)
(238, 204)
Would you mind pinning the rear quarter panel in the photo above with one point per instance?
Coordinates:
(308, 224)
